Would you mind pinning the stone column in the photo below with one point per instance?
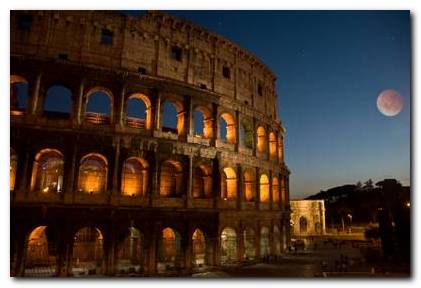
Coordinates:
(156, 108)
(189, 196)
(25, 185)
(35, 103)
(240, 184)
(115, 192)
(189, 117)
(255, 137)
(186, 246)
(109, 249)
(155, 177)
(257, 189)
(151, 259)
(69, 182)
(20, 245)
(120, 116)
(216, 133)
(241, 247)
(258, 252)
(79, 104)
(237, 130)
(270, 190)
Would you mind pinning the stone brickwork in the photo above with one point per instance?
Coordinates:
(308, 217)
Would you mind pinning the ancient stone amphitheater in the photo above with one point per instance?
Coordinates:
(140, 146)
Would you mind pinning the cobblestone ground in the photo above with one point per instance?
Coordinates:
(318, 261)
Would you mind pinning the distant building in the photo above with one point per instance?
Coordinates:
(307, 217)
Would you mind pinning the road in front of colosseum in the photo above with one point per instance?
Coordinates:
(308, 264)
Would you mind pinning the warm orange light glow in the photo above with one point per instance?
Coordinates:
(93, 173)
(229, 119)
(135, 177)
(229, 184)
(171, 179)
(202, 182)
(88, 247)
(249, 243)
(199, 246)
(264, 188)
(168, 245)
(249, 185)
(37, 251)
(272, 145)
(275, 189)
(281, 150)
(148, 120)
(261, 139)
(47, 171)
(12, 169)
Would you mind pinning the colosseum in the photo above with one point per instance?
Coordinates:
(140, 145)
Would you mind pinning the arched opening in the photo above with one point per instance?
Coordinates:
(47, 172)
(202, 182)
(249, 185)
(277, 240)
(272, 145)
(171, 179)
(281, 150)
(261, 139)
(13, 168)
(173, 117)
(93, 174)
(227, 128)
(275, 189)
(98, 106)
(19, 95)
(249, 244)
(134, 180)
(228, 184)
(228, 246)
(199, 248)
(88, 253)
(40, 252)
(130, 256)
(303, 224)
(264, 189)
(264, 242)
(169, 250)
(138, 111)
(58, 102)
(246, 134)
(202, 122)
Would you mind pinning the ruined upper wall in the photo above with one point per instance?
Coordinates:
(155, 44)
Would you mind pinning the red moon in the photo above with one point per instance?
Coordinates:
(389, 103)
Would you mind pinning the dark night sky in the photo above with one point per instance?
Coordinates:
(331, 66)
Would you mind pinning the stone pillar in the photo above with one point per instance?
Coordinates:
(109, 250)
(255, 137)
(115, 192)
(120, 115)
(216, 133)
(189, 117)
(267, 148)
(20, 248)
(237, 130)
(258, 252)
(156, 107)
(186, 246)
(155, 177)
(151, 258)
(72, 171)
(257, 189)
(270, 190)
(25, 184)
(189, 189)
(35, 103)
(79, 104)
(240, 186)
(63, 247)
(241, 246)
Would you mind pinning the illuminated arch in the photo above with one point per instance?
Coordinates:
(135, 121)
(19, 94)
(93, 172)
(130, 252)
(48, 171)
(40, 254)
(170, 122)
(249, 185)
(272, 145)
(249, 243)
(99, 113)
(228, 184)
(134, 180)
(202, 122)
(264, 241)
(13, 168)
(202, 182)
(264, 189)
(228, 246)
(88, 252)
(227, 128)
(171, 179)
(199, 248)
(169, 248)
(261, 139)
(275, 189)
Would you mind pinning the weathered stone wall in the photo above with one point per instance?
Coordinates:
(308, 217)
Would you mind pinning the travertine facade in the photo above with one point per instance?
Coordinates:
(308, 217)
(108, 193)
